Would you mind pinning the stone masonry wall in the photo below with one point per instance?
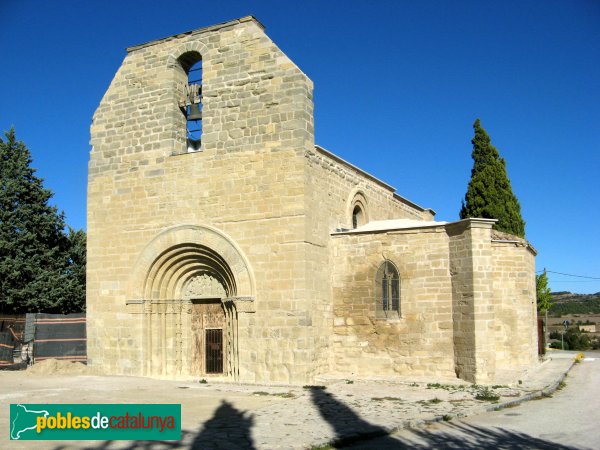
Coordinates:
(420, 343)
(485, 358)
(467, 304)
(463, 312)
(471, 268)
(248, 182)
(515, 305)
(331, 185)
(275, 201)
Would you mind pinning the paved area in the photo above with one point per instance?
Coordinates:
(232, 416)
(566, 420)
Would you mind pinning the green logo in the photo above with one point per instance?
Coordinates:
(95, 422)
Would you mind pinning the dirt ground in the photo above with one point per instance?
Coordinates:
(242, 416)
(198, 401)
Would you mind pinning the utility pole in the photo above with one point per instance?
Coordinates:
(562, 336)
(546, 325)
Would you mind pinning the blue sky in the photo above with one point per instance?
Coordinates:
(398, 85)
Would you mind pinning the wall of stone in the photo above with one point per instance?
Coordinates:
(420, 342)
(515, 305)
(485, 359)
(248, 182)
(463, 308)
(471, 268)
(467, 303)
(493, 284)
(274, 200)
(331, 185)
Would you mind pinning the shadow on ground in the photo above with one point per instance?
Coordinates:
(228, 428)
(462, 436)
(349, 427)
(354, 432)
(231, 429)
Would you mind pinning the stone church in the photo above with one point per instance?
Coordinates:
(223, 243)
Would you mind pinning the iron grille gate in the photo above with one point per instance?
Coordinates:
(214, 351)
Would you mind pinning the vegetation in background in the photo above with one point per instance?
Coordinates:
(564, 303)
(489, 194)
(542, 291)
(574, 339)
(42, 266)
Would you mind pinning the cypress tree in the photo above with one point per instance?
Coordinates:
(37, 271)
(489, 194)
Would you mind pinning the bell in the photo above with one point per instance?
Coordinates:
(195, 113)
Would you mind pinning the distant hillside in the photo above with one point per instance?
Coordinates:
(569, 303)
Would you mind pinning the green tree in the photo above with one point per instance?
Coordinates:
(37, 270)
(76, 264)
(576, 339)
(542, 291)
(489, 194)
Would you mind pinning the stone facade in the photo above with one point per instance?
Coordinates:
(272, 244)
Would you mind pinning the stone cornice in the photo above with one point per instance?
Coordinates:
(198, 31)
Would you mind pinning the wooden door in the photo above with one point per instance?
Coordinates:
(208, 322)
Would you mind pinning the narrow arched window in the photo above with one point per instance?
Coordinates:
(357, 217)
(387, 291)
(191, 104)
(358, 211)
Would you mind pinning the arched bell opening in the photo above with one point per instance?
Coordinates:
(189, 73)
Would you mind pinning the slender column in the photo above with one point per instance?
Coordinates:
(147, 348)
(178, 342)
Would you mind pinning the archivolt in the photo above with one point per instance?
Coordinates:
(180, 253)
(177, 265)
(357, 198)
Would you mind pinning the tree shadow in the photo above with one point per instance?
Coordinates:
(467, 436)
(349, 427)
(459, 435)
(227, 428)
(354, 432)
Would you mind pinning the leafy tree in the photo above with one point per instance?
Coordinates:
(489, 194)
(38, 271)
(573, 339)
(542, 291)
(576, 339)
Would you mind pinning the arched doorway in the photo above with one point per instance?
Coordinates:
(208, 324)
(189, 279)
